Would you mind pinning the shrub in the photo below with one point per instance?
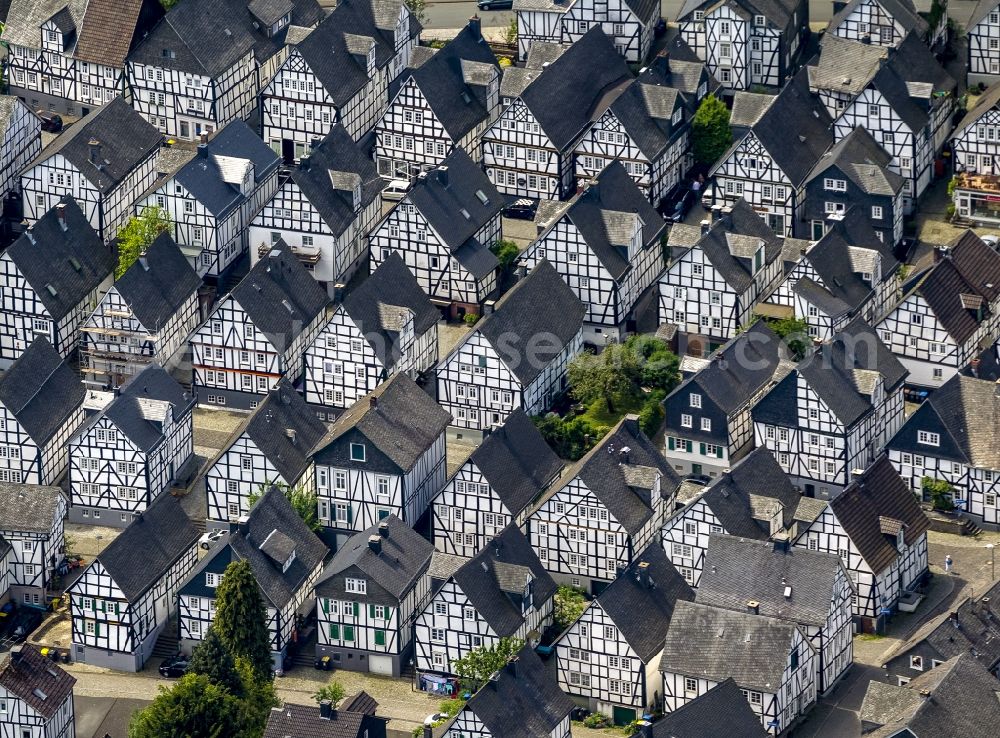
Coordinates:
(570, 438)
(651, 417)
(939, 491)
(568, 606)
(471, 318)
(597, 720)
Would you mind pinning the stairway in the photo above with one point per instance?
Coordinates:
(305, 651)
(969, 528)
(166, 644)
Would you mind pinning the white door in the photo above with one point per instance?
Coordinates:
(380, 665)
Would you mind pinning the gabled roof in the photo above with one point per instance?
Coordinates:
(641, 600)
(845, 65)
(646, 106)
(607, 213)
(778, 12)
(900, 11)
(28, 507)
(911, 79)
(112, 27)
(143, 553)
(516, 462)
(41, 391)
(863, 161)
(125, 140)
(398, 418)
(8, 104)
(522, 700)
(982, 9)
(214, 177)
(36, 680)
(403, 557)
(158, 284)
(576, 89)
(25, 18)
(494, 579)
(620, 471)
(984, 103)
(304, 721)
(280, 297)
(716, 644)
(721, 711)
(733, 240)
(879, 493)
(789, 583)
(62, 266)
(748, 107)
(376, 305)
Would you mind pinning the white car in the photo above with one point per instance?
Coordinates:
(396, 189)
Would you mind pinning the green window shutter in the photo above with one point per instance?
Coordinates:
(334, 630)
(357, 609)
(379, 637)
(116, 608)
(388, 613)
(350, 515)
(93, 604)
(97, 629)
(670, 443)
(348, 632)
(325, 604)
(718, 451)
(371, 611)
(702, 448)
(104, 606)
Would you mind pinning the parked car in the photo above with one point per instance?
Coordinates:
(495, 4)
(174, 667)
(680, 205)
(50, 121)
(26, 619)
(522, 209)
(991, 240)
(396, 189)
(702, 479)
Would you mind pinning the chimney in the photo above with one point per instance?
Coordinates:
(646, 729)
(314, 143)
(642, 573)
(95, 150)
(753, 607)
(304, 162)
(325, 707)
(443, 175)
(428, 731)
(61, 212)
(291, 435)
(375, 544)
(203, 151)
(203, 138)
(475, 26)
(244, 525)
(512, 666)
(623, 455)
(383, 529)
(706, 226)
(373, 402)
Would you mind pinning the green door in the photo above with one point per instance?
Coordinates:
(696, 469)
(622, 715)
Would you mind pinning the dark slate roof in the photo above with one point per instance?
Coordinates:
(37, 680)
(158, 284)
(982, 9)
(640, 605)
(739, 570)
(41, 391)
(540, 303)
(521, 701)
(957, 698)
(455, 82)
(398, 418)
(863, 161)
(720, 246)
(901, 11)
(516, 462)
(970, 267)
(304, 721)
(879, 493)
(62, 266)
(271, 533)
(441, 195)
(984, 103)
(281, 414)
(645, 108)
(576, 89)
(28, 507)
(484, 577)
(125, 139)
(721, 711)
(111, 28)
(215, 180)
(148, 547)
(131, 413)
(717, 644)
(403, 558)
(816, 294)
(912, 63)
(619, 472)
(777, 12)
(845, 65)
(279, 296)
(390, 288)
(605, 214)
(337, 153)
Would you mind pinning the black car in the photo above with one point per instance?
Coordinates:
(495, 4)
(50, 121)
(680, 206)
(174, 667)
(701, 479)
(25, 620)
(522, 209)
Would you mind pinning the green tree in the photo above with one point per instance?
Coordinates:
(710, 132)
(259, 697)
(303, 501)
(570, 439)
(212, 659)
(506, 253)
(608, 376)
(241, 619)
(568, 606)
(939, 492)
(334, 692)
(510, 32)
(168, 4)
(794, 332)
(136, 236)
(475, 668)
(419, 10)
(194, 707)
(659, 367)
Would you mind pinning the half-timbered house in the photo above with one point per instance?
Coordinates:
(947, 439)
(606, 246)
(502, 592)
(41, 406)
(976, 148)
(270, 448)
(983, 33)
(708, 426)
(37, 695)
(51, 278)
(854, 173)
(384, 456)
(353, 718)
(323, 210)
(494, 487)
(69, 57)
(878, 22)
(31, 521)
(629, 24)
(752, 500)
(609, 659)
(907, 107)
(744, 43)
(385, 326)
(768, 166)
(286, 559)
(878, 530)
(772, 662)
(521, 700)
(711, 290)
(144, 318)
(443, 228)
(126, 596)
(835, 412)
(127, 455)
(515, 357)
(605, 509)
(531, 149)
(258, 333)
(842, 70)
(722, 710)
(212, 199)
(947, 314)
(339, 72)
(104, 162)
(439, 104)
(20, 141)
(369, 597)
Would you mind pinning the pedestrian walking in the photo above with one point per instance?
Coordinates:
(947, 564)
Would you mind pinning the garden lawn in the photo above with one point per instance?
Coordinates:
(597, 413)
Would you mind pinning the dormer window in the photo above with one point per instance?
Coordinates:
(699, 15)
(356, 586)
(358, 452)
(759, 20)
